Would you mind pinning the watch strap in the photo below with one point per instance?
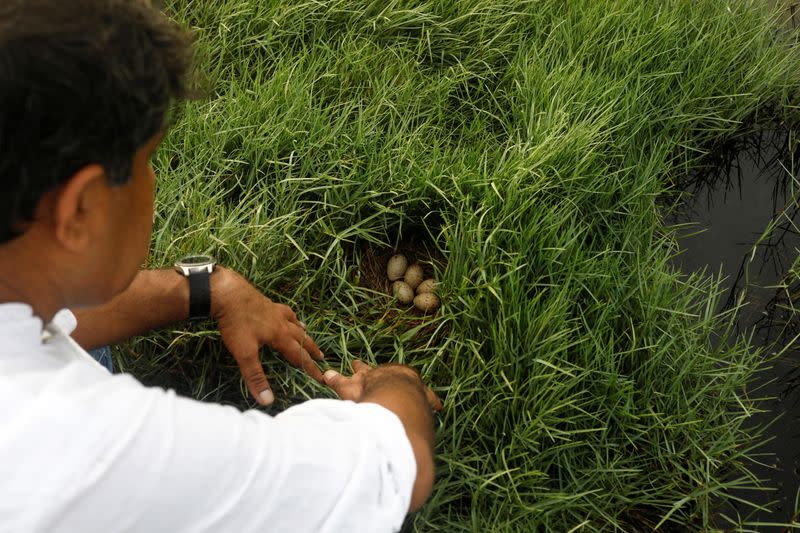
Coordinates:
(199, 295)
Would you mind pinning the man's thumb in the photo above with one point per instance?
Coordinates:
(332, 378)
(341, 385)
(344, 387)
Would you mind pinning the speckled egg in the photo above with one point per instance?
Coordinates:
(414, 276)
(426, 302)
(396, 267)
(403, 293)
(429, 285)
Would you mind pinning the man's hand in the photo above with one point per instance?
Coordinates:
(248, 320)
(364, 377)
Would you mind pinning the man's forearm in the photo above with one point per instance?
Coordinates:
(406, 398)
(155, 299)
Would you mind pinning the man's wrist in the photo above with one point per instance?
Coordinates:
(220, 281)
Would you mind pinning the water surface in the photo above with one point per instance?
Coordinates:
(749, 186)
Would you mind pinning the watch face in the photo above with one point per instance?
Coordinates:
(196, 260)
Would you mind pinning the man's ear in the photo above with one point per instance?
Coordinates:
(76, 206)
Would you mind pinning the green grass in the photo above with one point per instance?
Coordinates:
(526, 142)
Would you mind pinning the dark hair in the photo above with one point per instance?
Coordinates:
(81, 82)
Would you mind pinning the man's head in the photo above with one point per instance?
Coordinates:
(85, 86)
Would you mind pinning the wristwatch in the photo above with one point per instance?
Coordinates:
(198, 268)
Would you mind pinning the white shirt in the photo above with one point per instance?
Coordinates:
(82, 450)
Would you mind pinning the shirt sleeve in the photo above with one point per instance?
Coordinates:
(144, 459)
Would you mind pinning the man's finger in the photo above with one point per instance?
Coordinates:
(342, 386)
(295, 331)
(310, 367)
(298, 357)
(290, 314)
(254, 378)
(433, 399)
(359, 365)
(313, 350)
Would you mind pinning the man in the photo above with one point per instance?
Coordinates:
(84, 89)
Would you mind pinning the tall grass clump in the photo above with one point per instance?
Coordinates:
(525, 142)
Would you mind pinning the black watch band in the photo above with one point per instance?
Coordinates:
(198, 269)
(199, 295)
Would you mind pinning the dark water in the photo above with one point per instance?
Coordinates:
(748, 186)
